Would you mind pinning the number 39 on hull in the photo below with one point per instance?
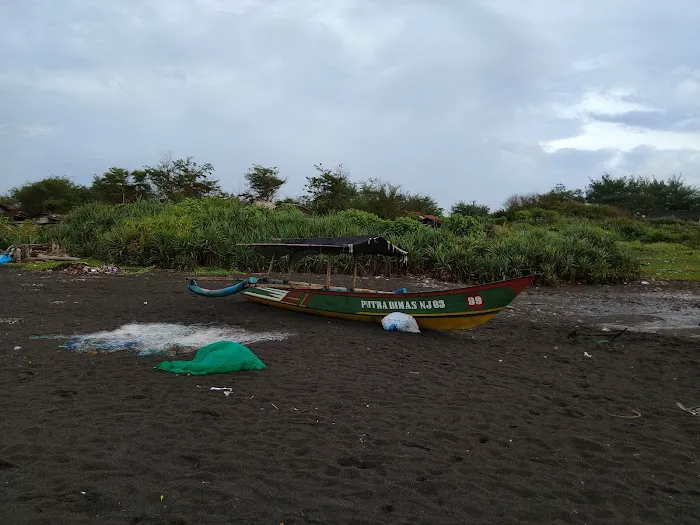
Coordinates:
(453, 309)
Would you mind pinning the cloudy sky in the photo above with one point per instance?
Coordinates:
(462, 99)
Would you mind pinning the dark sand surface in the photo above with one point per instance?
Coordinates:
(509, 423)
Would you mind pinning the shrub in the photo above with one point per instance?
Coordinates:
(205, 233)
(462, 224)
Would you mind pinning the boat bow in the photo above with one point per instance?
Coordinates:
(221, 292)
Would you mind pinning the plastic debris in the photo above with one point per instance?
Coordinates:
(84, 268)
(226, 390)
(606, 337)
(586, 354)
(18, 348)
(635, 415)
(400, 322)
(695, 411)
(4, 258)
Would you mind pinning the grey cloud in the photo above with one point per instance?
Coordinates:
(442, 97)
(677, 120)
(662, 164)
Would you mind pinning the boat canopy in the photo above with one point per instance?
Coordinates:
(297, 248)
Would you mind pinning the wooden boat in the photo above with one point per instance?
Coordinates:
(452, 309)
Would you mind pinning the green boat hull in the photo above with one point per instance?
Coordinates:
(455, 309)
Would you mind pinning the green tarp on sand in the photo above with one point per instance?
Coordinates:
(217, 358)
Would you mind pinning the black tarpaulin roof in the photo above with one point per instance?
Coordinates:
(363, 245)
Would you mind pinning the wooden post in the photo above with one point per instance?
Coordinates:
(328, 271)
(270, 268)
(354, 272)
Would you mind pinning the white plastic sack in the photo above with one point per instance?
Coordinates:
(400, 322)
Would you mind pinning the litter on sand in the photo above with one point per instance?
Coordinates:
(695, 411)
(606, 337)
(217, 358)
(635, 414)
(400, 322)
(226, 390)
(84, 268)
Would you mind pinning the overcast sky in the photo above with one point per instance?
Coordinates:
(461, 99)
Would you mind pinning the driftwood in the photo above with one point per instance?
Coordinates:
(39, 252)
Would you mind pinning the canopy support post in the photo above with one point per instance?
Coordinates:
(291, 268)
(269, 270)
(354, 271)
(328, 271)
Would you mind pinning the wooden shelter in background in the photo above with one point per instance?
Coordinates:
(17, 216)
(428, 220)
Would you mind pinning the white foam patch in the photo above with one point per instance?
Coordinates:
(160, 338)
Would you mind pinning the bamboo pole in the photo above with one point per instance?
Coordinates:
(291, 268)
(270, 268)
(354, 271)
(328, 271)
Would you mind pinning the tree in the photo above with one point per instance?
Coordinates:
(643, 194)
(179, 179)
(387, 201)
(556, 198)
(611, 191)
(330, 191)
(471, 209)
(560, 193)
(118, 185)
(521, 201)
(6, 200)
(263, 183)
(50, 195)
(112, 187)
(676, 195)
(380, 198)
(141, 185)
(422, 204)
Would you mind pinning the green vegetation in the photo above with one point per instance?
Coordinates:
(263, 183)
(26, 233)
(39, 266)
(668, 261)
(174, 215)
(643, 195)
(469, 209)
(50, 195)
(329, 191)
(204, 232)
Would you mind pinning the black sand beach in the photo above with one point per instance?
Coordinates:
(510, 423)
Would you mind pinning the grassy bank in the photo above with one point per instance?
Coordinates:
(667, 261)
(204, 233)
